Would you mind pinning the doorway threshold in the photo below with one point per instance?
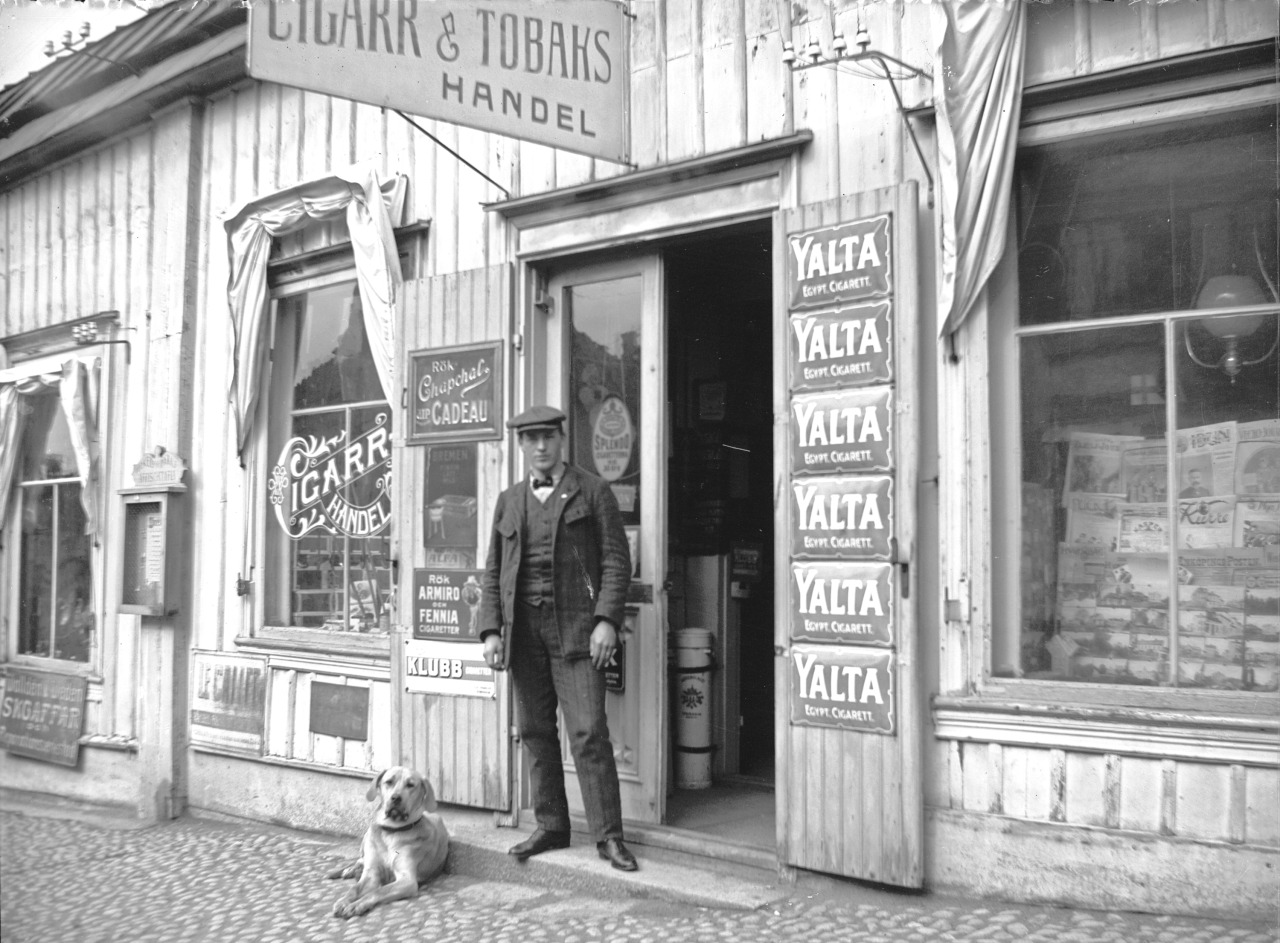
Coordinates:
(700, 844)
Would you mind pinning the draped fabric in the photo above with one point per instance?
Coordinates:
(369, 206)
(74, 384)
(979, 55)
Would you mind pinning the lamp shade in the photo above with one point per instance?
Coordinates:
(1231, 291)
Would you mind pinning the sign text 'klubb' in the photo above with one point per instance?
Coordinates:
(334, 484)
(550, 72)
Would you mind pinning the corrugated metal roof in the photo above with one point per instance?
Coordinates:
(122, 54)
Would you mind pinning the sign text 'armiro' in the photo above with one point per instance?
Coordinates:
(555, 73)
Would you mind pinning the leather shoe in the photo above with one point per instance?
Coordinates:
(616, 853)
(541, 840)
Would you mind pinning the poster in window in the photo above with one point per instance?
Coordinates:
(449, 508)
(456, 393)
(1207, 460)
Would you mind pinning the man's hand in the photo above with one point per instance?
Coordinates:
(604, 642)
(493, 651)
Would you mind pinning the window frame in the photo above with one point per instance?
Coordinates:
(271, 429)
(974, 380)
(42, 351)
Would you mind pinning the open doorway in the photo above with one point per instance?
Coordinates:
(720, 524)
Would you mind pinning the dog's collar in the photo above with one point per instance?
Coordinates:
(399, 828)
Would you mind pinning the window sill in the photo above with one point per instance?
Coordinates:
(1250, 739)
(339, 645)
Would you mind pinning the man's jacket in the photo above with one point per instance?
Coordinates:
(591, 562)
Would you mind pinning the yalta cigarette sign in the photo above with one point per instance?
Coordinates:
(839, 264)
(550, 72)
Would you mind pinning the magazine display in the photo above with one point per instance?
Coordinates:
(1093, 465)
(1113, 614)
(1144, 471)
(1258, 457)
(1207, 460)
(1205, 523)
(1144, 528)
(1093, 520)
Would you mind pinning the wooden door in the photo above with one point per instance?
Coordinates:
(848, 711)
(462, 744)
(601, 354)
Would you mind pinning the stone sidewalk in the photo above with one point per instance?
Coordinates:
(89, 878)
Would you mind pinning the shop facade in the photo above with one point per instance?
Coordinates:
(903, 400)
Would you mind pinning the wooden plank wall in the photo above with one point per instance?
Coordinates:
(1071, 39)
(460, 743)
(851, 803)
(1166, 797)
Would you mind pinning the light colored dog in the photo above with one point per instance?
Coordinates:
(405, 845)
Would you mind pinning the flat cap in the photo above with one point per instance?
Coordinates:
(537, 417)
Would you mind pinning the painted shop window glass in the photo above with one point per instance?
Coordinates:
(604, 407)
(1147, 440)
(331, 470)
(55, 598)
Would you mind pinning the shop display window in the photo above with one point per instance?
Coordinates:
(55, 600)
(330, 459)
(1144, 528)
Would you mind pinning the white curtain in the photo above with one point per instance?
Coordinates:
(74, 383)
(979, 55)
(369, 206)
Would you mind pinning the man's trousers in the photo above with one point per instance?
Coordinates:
(543, 679)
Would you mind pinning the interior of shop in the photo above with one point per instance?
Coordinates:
(720, 527)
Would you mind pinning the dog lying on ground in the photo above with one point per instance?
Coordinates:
(405, 845)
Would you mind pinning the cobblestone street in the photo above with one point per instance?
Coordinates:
(199, 880)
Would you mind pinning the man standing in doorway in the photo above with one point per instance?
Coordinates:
(554, 595)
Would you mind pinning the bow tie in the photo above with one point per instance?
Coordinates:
(543, 483)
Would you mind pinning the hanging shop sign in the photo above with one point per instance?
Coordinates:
(457, 393)
(850, 346)
(334, 484)
(839, 264)
(551, 72)
(844, 603)
(842, 431)
(459, 669)
(612, 438)
(842, 518)
(836, 686)
(228, 700)
(41, 715)
(446, 604)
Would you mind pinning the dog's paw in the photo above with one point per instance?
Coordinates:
(346, 872)
(344, 906)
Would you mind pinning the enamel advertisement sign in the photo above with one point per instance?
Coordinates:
(852, 689)
(842, 431)
(843, 603)
(839, 264)
(850, 346)
(456, 393)
(842, 518)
